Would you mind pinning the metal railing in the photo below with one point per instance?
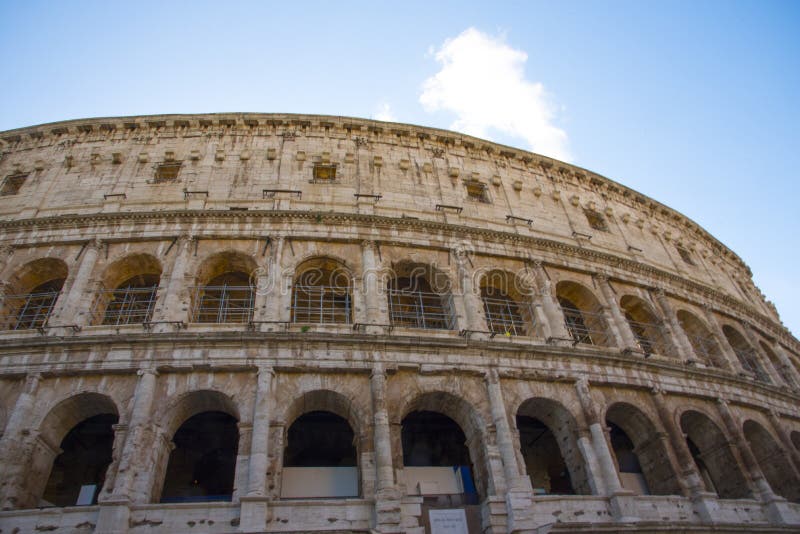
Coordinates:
(418, 309)
(705, 348)
(749, 359)
(321, 305)
(29, 311)
(651, 338)
(508, 317)
(222, 304)
(130, 305)
(586, 327)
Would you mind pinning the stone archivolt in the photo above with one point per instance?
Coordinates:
(240, 343)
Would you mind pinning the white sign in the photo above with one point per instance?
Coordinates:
(448, 521)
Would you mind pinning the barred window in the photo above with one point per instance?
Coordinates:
(322, 293)
(324, 173)
(132, 302)
(167, 172)
(227, 298)
(31, 310)
(596, 220)
(477, 191)
(686, 256)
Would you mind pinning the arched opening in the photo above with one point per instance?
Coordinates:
(202, 464)
(773, 462)
(783, 370)
(32, 293)
(642, 458)
(224, 292)
(507, 311)
(436, 459)
(583, 315)
(795, 437)
(320, 458)
(703, 343)
(419, 297)
(713, 457)
(79, 471)
(647, 328)
(549, 447)
(322, 292)
(131, 284)
(746, 354)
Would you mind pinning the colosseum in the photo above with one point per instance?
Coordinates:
(297, 323)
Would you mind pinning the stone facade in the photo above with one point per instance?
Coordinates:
(606, 363)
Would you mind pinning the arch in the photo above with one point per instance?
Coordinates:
(703, 343)
(32, 293)
(74, 449)
(746, 354)
(646, 449)
(583, 314)
(204, 433)
(419, 297)
(548, 424)
(645, 324)
(506, 304)
(325, 400)
(782, 369)
(712, 455)
(224, 289)
(129, 293)
(771, 459)
(436, 409)
(322, 292)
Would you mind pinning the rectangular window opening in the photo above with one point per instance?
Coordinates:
(324, 173)
(477, 191)
(12, 184)
(596, 220)
(686, 256)
(167, 172)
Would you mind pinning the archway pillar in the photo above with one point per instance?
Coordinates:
(776, 507)
(620, 328)
(680, 342)
(254, 499)
(731, 362)
(172, 304)
(550, 311)
(473, 315)
(376, 304)
(14, 443)
(519, 491)
(69, 308)
(388, 513)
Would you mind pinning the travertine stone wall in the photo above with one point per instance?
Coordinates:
(715, 365)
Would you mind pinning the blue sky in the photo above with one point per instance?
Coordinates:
(692, 103)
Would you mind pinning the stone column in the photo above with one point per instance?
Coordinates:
(622, 501)
(73, 306)
(551, 311)
(136, 443)
(518, 497)
(474, 317)
(691, 478)
(261, 278)
(254, 504)
(387, 498)
(680, 342)
(731, 362)
(173, 302)
(762, 359)
(376, 308)
(13, 443)
(619, 325)
(748, 458)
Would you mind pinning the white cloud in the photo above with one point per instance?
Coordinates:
(385, 113)
(482, 80)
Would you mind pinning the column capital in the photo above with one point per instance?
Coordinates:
(147, 371)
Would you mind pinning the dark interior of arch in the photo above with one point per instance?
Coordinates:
(202, 465)
(713, 457)
(86, 455)
(320, 439)
(773, 463)
(543, 460)
(431, 439)
(627, 458)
